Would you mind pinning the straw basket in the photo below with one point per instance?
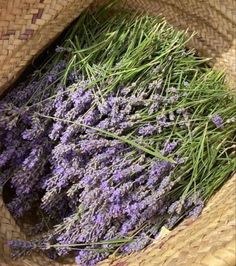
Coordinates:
(28, 26)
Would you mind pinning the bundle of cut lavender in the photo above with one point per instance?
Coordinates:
(122, 131)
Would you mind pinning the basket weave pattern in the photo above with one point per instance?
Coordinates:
(28, 26)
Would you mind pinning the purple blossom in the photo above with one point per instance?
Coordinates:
(139, 243)
(27, 176)
(104, 124)
(159, 170)
(62, 108)
(162, 121)
(92, 117)
(169, 147)
(173, 99)
(64, 152)
(115, 210)
(127, 227)
(147, 130)
(180, 160)
(82, 103)
(56, 130)
(141, 179)
(6, 155)
(111, 232)
(33, 158)
(104, 108)
(172, 221)
(154, 108)
(19, 247)
(89, 258)
(121, 175)
(70, 132)
(59, 97)
(89, 197)
(93, 146)
(19, 205)
(217, 120)
(175, 208)
(100, 219)
(196, 211)
(54, 72)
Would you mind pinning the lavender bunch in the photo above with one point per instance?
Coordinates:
(110, 142)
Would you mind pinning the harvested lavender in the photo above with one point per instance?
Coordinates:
(121, 132)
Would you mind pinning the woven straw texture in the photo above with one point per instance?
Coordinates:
(28, 26)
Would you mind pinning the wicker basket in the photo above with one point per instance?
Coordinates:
(28, 26)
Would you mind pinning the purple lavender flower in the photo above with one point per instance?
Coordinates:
(169, 147)
(32, 167)
(159, 170)
(19, 247)
(147, 130)
(180, 160)
(172, 221)
(126, 227)
(162, 120)
(62, 108)
(115, 210)
(154, 108)
(90, 197)
(56, 130)
(175, 207)
(92, 117)
(139, 243)
(121, 175)
(82, 103)
(141, 179)
(93, 146)
(111, 232)
(19, 205)
(54, 72)
(126, 125)
(6, 155)
(70, 132)
(64, 152)
(89, 258)
(173, 99)
(217, 120)
(196, 211)
(59, 97)
(33, 158)
(104, 107)
(104, 124)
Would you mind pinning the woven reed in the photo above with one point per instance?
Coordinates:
(28, 26)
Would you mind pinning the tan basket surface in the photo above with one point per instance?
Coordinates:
(28, 26)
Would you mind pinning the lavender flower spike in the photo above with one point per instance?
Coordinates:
(217, 120)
